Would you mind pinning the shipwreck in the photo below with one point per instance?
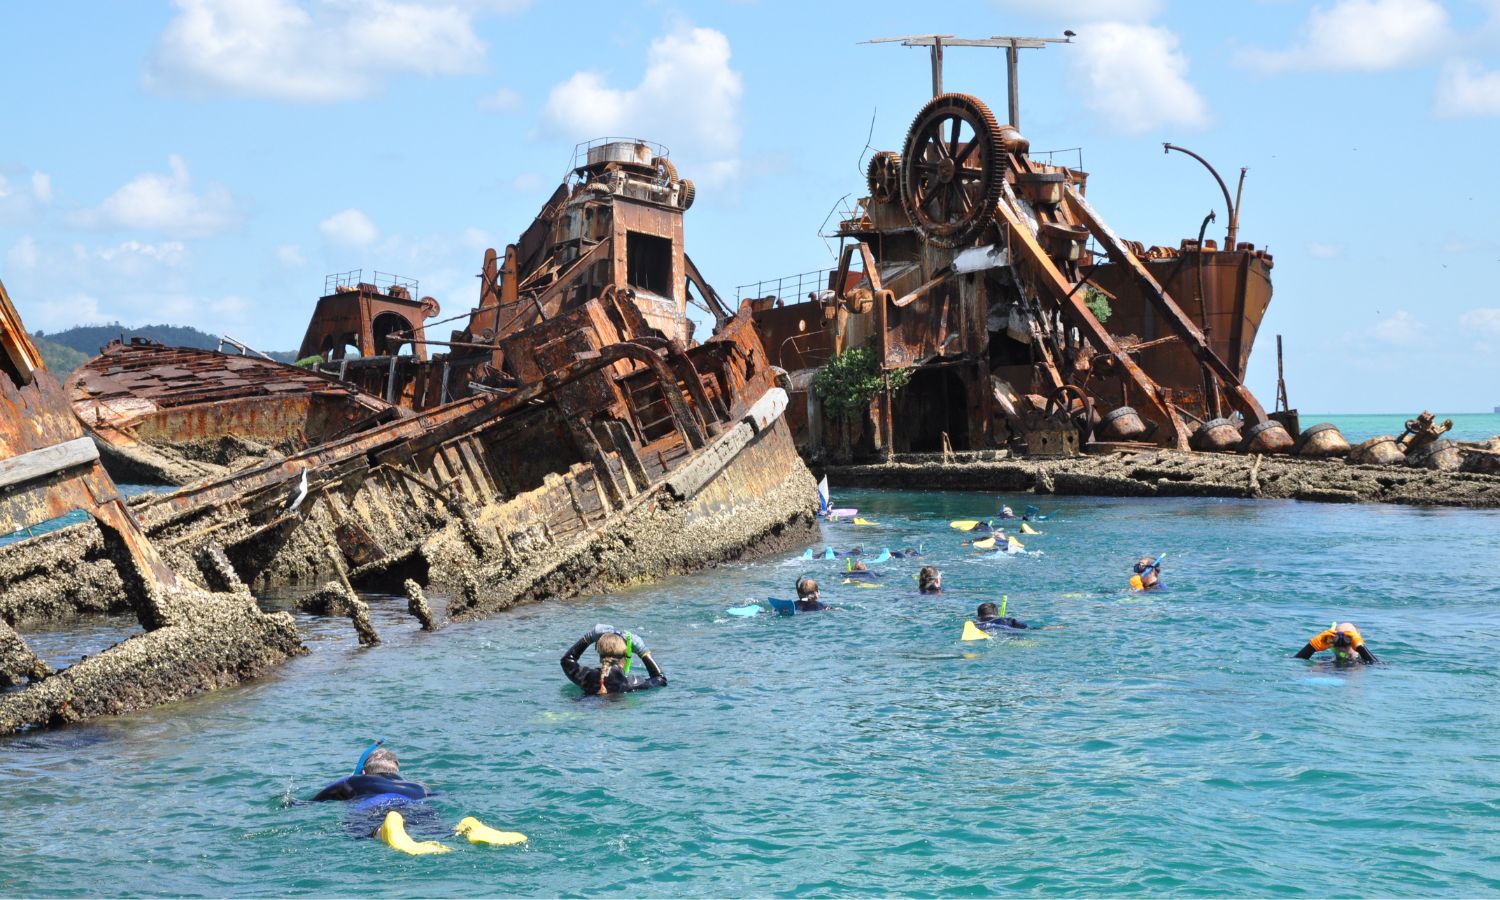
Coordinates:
(573, 437)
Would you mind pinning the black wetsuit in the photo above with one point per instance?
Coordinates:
(811, 605)
(618, 682)
(360, 787)
(1359, 656)
(998, 623)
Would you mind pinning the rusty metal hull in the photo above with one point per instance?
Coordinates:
(173, 414)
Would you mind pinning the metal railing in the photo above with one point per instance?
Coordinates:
(787, 289)
(1052, 154)
(581, 150)
(383, 281)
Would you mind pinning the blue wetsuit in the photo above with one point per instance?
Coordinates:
(374, 790)
(1001, 624)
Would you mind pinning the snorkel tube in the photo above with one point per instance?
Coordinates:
(364, 757)
(629, 650)
(1138, 581)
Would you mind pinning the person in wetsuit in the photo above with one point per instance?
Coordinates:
(378, 782)
(1149, 570)
(615, 651)
(807, 596)
(930, 580)
(1347, 644)
(989, 619)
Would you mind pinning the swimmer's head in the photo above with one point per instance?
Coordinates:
(382, 762)
(929, 580)
(611, 647)
(807, 588)
(1006, 511)
(1142, 564)
(859, 567)
(988, 611)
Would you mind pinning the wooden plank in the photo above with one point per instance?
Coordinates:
(47, 461)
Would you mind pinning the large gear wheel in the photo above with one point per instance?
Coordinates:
(952, 169)
(884, 177)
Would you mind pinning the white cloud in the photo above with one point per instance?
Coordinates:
(1084, 10)
(5, 190)
(131, 253)
(55, 315)
(1320, 250)
(165, 202)
(350, 227)
(1135, 77)
(290, 255)
(23, 254)
(1485, 321)
(1466, 89)
(501, 100)
(41, 187)
(1361, 36)
(688, 97)
(1401, 329)
(526, 181)
(313, 52)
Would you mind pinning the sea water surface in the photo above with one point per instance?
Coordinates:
(1359, 427)
(1165, 743)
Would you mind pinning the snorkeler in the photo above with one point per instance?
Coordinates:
(1347, 644)
(990, 619)
(376, 781)
(907, 553)
(930, 580)
(615, 652)
(807, 596)
(1147, 574)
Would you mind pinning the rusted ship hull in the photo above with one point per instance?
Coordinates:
(170, 415)
(192, 640)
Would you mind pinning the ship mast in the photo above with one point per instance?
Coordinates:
(1011, 46)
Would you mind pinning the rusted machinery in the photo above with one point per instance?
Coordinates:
(612, 230)
(971, 262)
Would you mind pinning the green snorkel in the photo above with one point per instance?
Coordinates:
(364, 757)
(629, 650)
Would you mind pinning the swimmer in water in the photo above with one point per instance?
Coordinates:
(906, 553)
(807, 596)
(1007, 513)
(379, 782)
(1347, 644)
(989, 619)
(615, 652)
(1148, 570)
(930, 580)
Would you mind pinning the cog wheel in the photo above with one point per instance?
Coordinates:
(884, 176)
(952, 169)
(666, 172)
(688, 193)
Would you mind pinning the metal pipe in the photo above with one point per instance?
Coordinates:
(1228, 204)
(1013, 84)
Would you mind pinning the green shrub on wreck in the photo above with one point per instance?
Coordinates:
(1098, 303)
(846, 384)
(307, 362)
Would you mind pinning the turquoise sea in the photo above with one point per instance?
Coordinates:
(1358, 427)
(1144, 744)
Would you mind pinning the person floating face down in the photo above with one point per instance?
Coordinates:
(1347, 644)
(930, 580)
(616, 649)
(1148, 569)
(807, 596)
(378, 782)
(988, 618)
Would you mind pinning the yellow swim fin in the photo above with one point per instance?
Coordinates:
(986, 544)
(857, 583)
(479, 833)
(863, 521)
(393, 833)
(964, 524)
(1027, 529)
(973, 632)
(1015, 545)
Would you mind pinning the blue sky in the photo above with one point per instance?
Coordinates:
(207, 162)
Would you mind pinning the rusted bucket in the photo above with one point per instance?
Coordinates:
(1267, 437)
(1321, 441)
(1123, 424)
(1216, 435)
(1441, 456)
(1378, 451)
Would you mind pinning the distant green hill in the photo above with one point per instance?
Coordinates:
(60, 359)
(90, 339)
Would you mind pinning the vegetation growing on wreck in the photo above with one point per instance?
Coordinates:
(847, 383)
(1098, 303)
